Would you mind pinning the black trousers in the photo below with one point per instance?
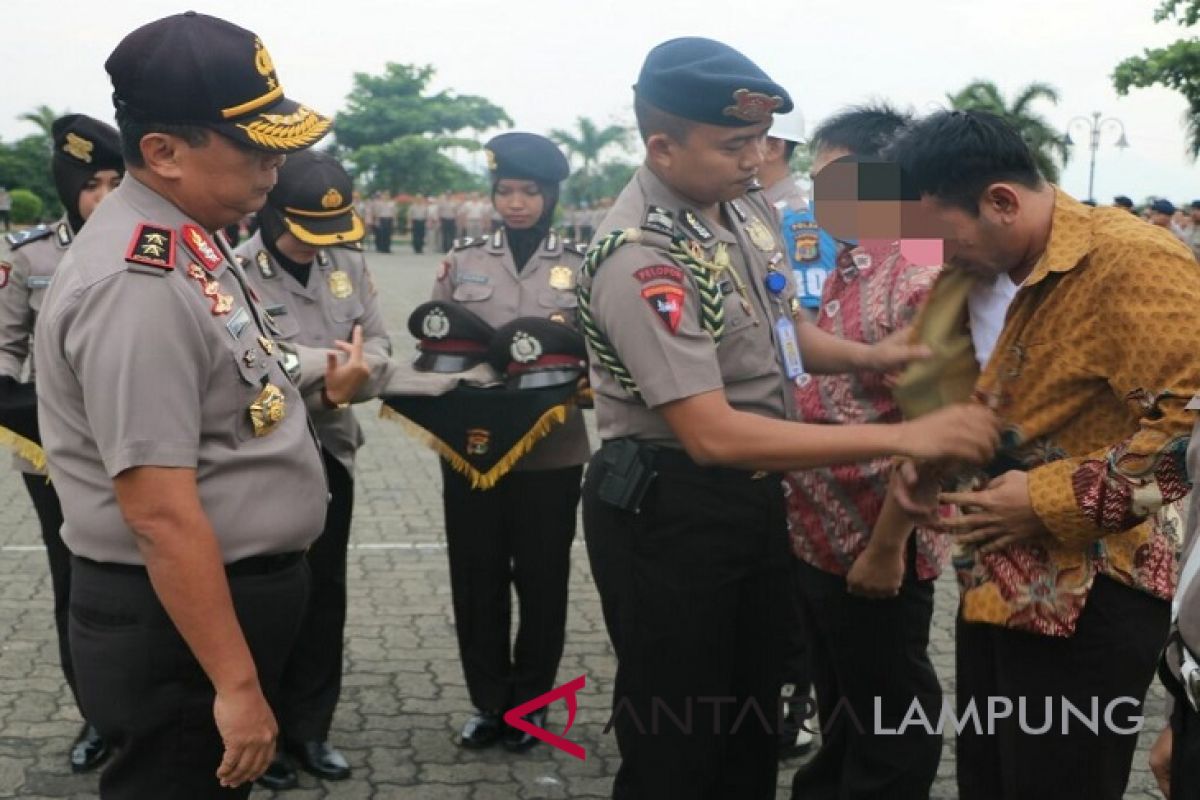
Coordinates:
(418, 236)
(50, 517)
(694, 590)
(1112, 656)
(312, 679)
(143, 689)
(449, 229)
(383, 235)
(516, 534)
(863, 649)
(797, 667)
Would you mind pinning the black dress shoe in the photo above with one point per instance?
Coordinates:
(518, 741)
(320, 759)
(279, 775)
(89, 749)
(482, 730)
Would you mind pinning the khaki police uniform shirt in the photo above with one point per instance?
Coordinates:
(671, 365)
(137, 368)
(339, 295)
(482, 275)
(24, 278)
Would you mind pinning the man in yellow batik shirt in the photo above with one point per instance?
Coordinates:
(1082, 324)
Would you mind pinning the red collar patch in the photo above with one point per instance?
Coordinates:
(667, 302)
(5, 270)
(202, 247)
(152, 245)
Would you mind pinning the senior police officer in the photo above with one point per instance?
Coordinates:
(688, 307)
(87, 165)
(520, 531)
(307, 267)
(190, 480)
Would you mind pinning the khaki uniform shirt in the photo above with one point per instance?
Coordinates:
(23, 283)
(339, 295)
(137, 366)
(482, 276)
(667, 365)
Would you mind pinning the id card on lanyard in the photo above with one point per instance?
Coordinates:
(789, 348)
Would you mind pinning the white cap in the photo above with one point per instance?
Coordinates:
(789, 126)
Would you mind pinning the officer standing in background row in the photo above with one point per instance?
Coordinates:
(519, 532)
(687, 303)
(308, 269)
(87, 165)
(190, 480)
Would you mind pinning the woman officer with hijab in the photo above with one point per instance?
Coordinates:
(86, 165)
(520, 531)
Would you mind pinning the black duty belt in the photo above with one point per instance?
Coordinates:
(254, 565)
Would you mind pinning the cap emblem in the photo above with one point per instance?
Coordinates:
(525, 349)
(332, 199)
(435, 325)
(752, 106)
(264, 64)
(78, 147)
(491, 159)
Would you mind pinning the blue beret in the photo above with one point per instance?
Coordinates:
(705, 81)
(526, 156)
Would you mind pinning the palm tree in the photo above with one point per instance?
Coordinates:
(591, 141)
(1048, 145)
(43, 117)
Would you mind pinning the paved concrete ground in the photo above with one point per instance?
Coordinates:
(404, 695)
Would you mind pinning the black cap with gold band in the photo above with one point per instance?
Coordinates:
(193, 69)
(314, 197)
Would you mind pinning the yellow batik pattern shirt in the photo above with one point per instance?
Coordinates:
(1099, 355)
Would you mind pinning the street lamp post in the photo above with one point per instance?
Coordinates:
(1095, 126)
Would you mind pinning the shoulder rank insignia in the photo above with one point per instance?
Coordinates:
(737, 209)
(497, 239)
(466, 241)
(202, 247)
(355, 246)
(322, 258)
(63, 232)
(659, 220)
(690, 221)
(265, 267)
(551, 242)
(579, 248)
(152, 246)
(16, 240)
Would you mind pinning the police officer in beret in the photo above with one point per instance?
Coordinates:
(520, 531)
(307, 266)
(190, 480)
(87, 165)
(687, 303)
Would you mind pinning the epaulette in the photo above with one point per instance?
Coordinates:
(18, 240)
(575, 247)
(469, 241)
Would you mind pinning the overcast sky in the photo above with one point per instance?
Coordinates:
(547, 62)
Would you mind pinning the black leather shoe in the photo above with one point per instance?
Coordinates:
(482, 730)
(518, 741)
(89, 749)
(322, 760)
(279, 775)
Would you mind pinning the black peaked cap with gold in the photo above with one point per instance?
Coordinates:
(193, 69)
(706, 81)
(314, 195)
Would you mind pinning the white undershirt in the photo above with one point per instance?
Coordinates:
(987, 303)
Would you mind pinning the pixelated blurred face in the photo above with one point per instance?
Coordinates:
(519, 203)
(713, 164)
(223, 180)
(96, 189)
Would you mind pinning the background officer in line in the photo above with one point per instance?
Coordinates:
(307, 267)
(190, 480)
(691, 335)
(520, 531)
(87, 165)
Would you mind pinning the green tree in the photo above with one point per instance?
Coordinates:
(1048, 145)
(1176, 67)
(591, 140)
(607, 180)
(25, 164)
(43, 117)
(394, 132)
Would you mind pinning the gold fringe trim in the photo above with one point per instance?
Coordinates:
(481, 480)
(26, 449)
